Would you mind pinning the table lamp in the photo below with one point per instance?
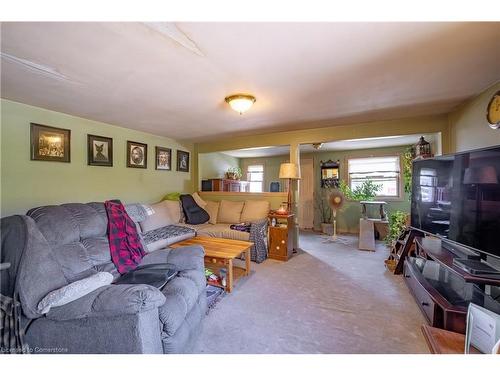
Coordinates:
(291, 172)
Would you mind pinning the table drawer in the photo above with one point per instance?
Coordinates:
(422, 297)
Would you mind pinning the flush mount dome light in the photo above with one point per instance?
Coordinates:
(240, 102)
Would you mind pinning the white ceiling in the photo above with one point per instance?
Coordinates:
(352, 144)
(132, 75)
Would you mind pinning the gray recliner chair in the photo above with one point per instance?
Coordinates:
(62, 244)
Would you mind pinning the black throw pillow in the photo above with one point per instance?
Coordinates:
(194, 214)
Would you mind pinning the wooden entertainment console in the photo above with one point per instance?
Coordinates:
(442, 290)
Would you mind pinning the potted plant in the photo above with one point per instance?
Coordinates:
(324, 208)
(398, 222)
(408, 157)
(234, 173)
(364, 192)
(325, 211)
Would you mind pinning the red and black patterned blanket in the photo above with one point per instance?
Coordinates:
(124, 242)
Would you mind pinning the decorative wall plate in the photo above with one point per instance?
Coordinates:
(493, 111)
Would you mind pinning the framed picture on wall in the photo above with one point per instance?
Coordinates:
(49, 143)
(163, 158)
(100, 150)
(182, 161)
(137, 155)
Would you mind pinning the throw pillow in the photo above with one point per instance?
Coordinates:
(73, 291)
(194, 214)
(212, 208)
(254, 210)
(199, 201)
(230, 212)
(165, 213)
(171, 197)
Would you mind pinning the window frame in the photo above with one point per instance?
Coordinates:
(248, 173)
(399, 179)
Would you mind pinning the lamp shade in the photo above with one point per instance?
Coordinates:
(289, 170)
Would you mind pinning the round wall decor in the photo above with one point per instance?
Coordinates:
(493, 111)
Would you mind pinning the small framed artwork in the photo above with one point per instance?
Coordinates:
(50, 144)
(163, 158)
(182, 161)
(100, 150)
(137, 155)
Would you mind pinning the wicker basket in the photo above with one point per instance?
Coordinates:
(391, 264)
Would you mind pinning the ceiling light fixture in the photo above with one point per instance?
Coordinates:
(240, 102)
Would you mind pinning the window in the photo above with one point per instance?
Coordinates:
(255, 175)
(380, 170)
(428, 184)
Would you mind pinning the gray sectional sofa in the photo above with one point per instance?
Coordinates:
(61, 244)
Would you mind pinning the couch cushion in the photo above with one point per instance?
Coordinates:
(199, 201)
(165, 213)
(255, 210)
(162, 237)
(181, 294)
(212, 208)
(223, 231)
(230, 212)
(20, 235)
(77, 235)
(58, 225)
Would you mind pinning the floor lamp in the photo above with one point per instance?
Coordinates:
(291, 172)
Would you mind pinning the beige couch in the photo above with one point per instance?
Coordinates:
(222, 215)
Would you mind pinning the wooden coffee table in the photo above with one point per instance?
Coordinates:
(220, 253)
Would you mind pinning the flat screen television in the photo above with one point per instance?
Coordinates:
(457, 197)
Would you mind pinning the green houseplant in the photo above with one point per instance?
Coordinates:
(365, 192)
(398, 221)
(408, 156)
(325, 211)
(234, 173)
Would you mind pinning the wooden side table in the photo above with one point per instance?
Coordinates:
(281, 236)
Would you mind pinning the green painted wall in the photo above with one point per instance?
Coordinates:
(214, 165)
(271, 169)
(469, 127)
(26, 184)
(348, 219)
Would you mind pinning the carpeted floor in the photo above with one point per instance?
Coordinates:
(330, 298)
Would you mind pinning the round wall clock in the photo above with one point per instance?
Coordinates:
(493, 112)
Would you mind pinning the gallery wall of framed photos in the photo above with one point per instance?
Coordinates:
(79, 160)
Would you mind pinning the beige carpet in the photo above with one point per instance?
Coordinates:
(330, 298)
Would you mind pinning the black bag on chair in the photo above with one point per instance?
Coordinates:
(194, 213)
